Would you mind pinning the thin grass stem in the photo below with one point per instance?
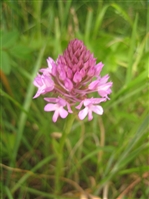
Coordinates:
(60, 155)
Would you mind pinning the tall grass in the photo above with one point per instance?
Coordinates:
(107, 157)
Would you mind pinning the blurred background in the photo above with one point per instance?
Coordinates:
(106, 158)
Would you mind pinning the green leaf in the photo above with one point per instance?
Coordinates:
(9, 38)
(20, 51)
(120, 11)
(6, 67)
(8, 140)
(131, 51)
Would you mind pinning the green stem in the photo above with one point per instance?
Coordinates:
(60, 162)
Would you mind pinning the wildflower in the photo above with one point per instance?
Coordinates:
(70, 79)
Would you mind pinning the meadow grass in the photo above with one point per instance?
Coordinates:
(106, 158)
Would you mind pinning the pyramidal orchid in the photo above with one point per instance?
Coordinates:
(72, 79)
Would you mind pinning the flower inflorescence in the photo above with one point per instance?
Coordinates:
(72, 78)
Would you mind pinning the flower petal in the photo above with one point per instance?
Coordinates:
(44, 83)
(63, 113)
(91, 72)
(50, 107)
(69, 108)
(62, 75)
(98, 68)
(55, 116)
(77, 77)
(51, 99)
(37, 81)
(97, 100)
(104, 89)
(93, 85)
(83, 113)
(61, 102)
(97, 109)
(68, 84)
(52, 66)
(103, 79)
(36, 95)
(69, 73)
(87, 102)
(80, 105)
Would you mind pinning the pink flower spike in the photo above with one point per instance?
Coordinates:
(71, 79)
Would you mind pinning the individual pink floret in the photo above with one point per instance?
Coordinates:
(102, 86)
(58, 107)
(44, 84)
(90, 107)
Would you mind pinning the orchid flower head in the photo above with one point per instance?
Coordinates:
(72, 79)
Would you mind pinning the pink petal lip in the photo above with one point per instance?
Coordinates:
(55, 116)
(98, 68)
(83, 113)
(63, 113)
(98, 110)
(90, 115)
(50, 107)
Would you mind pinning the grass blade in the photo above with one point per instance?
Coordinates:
(26, 105)
(99, 20)
(27, 175)
(131, 51)
(88, 24)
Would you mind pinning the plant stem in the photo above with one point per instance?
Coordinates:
(60, 162)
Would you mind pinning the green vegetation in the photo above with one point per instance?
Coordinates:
(107, 157)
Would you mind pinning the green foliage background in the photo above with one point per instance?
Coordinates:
(107, 157)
